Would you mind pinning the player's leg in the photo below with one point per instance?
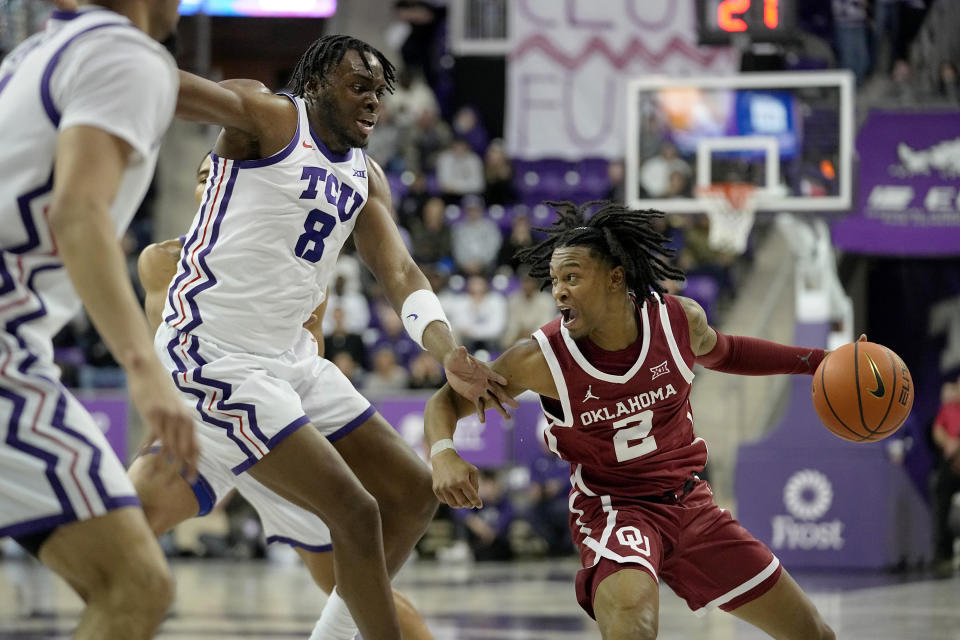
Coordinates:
(320, 564)
(627, 605)
(786, 613)
(166, 497)
(399, 480)
(305, 469)
(115, 564)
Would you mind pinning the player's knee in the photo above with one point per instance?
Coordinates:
(824, 632)
(360, 517)
(626, 620)
(142, 590)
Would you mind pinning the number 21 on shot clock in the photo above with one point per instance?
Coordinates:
(720, 21)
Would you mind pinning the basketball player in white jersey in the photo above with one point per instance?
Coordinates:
(83, 105)
(289, 183)
(283, 522)
(614, 374)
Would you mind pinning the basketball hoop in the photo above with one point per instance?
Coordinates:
(731, 207)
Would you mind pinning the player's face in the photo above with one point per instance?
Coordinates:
(581, 285)
(203, 172)
(350, 101)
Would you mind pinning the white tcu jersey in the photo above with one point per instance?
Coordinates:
(264, 243)
(91, 68)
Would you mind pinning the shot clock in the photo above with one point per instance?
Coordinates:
(722, 21)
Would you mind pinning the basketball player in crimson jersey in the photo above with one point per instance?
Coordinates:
(614, 374)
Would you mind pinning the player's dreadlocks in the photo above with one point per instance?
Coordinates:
(327, 52)
(621, 236)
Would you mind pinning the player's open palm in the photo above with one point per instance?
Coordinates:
(456, 482)
(166, 419)
(478, 383)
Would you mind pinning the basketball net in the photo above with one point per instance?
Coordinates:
(731, 208)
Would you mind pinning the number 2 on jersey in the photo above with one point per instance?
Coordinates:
(642, 424)
(311, 234)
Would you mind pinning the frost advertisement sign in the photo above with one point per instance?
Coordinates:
(807, 497)
(909, 196)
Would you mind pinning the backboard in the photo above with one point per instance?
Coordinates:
(788, 133)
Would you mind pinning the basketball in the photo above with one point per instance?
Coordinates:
(862, 392)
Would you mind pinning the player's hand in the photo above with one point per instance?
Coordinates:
(166, 419)
(456, 482)
(478, 383)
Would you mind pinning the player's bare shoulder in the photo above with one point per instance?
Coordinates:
(702, 335)
(377, 185)
(272, 121)
(525, 368)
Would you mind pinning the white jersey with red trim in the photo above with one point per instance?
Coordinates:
(91, 68)
(263, 245)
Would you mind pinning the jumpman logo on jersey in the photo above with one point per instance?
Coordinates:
(660, 370)
(590, 395)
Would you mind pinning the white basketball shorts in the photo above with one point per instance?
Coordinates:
(56, 466)
(244, 405)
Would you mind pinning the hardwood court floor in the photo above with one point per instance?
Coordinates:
(518, 601)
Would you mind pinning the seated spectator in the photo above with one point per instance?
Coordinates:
(478, 315)
(655, 172)
(467, 126)
(425, 372)
(498, 175)
(430, 136)
(548, 512)
(946, 477)
(356, 308)
(476, 240)
(521, 237)
(528, 309)
(340, 339)
(617, 176)
(430, 235)
(487, 529)
(411, 98)
(459, 172)
(411, 204)
(948, 85)
(851, 37)
(386, 375)
(349, 367)
(393, 335)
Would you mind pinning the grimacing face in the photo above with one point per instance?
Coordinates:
(350, 99)
(582, 285)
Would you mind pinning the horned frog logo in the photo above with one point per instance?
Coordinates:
(944, 157)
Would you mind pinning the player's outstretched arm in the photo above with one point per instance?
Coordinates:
(247, 106)
(455, 481)
(90, 165)
(743, 355)
(156, 266)
(381, 248)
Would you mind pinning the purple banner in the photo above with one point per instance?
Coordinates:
(819, 501)
(110, 414)
(483, 444)
(909, 196)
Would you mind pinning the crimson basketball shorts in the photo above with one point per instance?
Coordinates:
(698, 549)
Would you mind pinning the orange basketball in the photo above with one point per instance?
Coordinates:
(862, 392)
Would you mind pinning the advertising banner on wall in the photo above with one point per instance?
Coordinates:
(909, 195)
(570, 61)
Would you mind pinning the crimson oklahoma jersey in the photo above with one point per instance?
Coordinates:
(633, 431)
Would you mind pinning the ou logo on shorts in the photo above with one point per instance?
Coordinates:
(808, 494)
(631, 537)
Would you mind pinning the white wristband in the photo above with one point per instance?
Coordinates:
(441, 445)
(420, 309)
